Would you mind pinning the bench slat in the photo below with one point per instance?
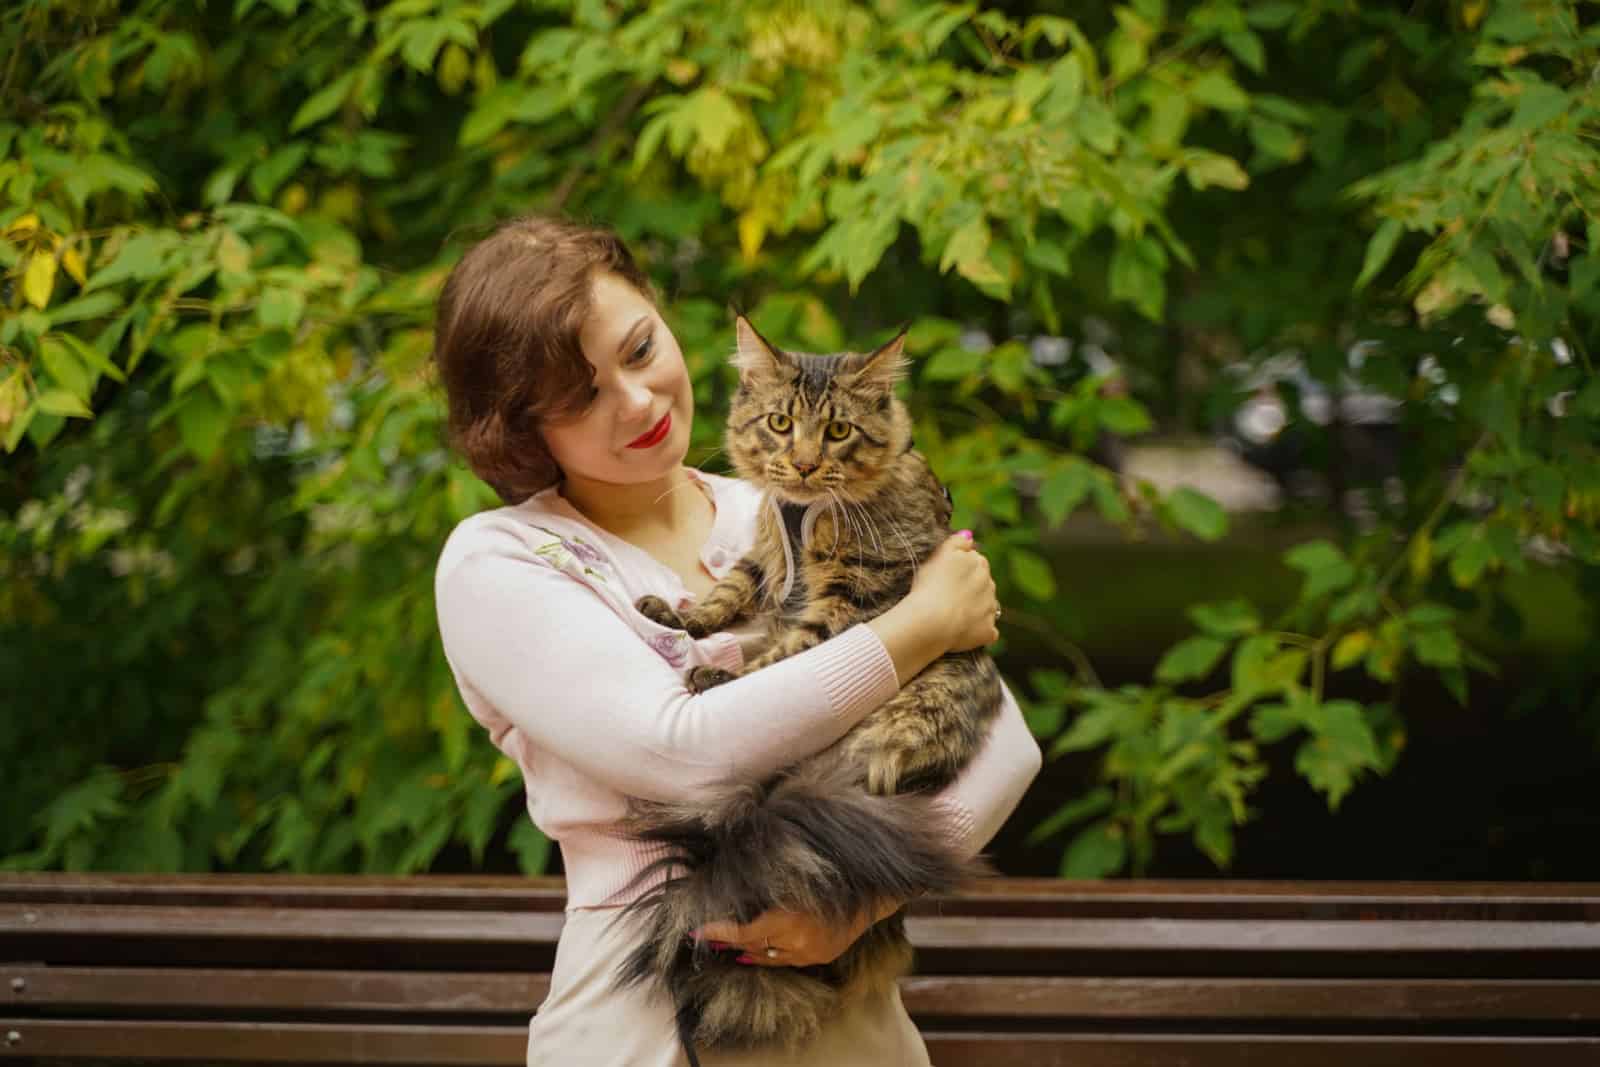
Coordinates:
(1250, 1050)
(492, 1046)
(998, 896)
(934, 932)
(1251, 998)
(200, 991)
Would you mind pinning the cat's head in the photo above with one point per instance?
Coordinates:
(807, 426)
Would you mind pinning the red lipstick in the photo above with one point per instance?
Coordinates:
(656, 435)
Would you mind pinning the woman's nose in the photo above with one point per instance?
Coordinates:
(635, 400)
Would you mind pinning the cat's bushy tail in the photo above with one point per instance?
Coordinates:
(810, 840)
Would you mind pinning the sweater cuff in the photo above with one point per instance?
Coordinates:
(960, 823)
(724, 651)
(856, 672)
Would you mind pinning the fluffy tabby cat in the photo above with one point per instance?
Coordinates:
(853, 509)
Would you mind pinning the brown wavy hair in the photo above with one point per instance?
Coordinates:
(505, 343)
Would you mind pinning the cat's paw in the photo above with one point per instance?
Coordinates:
(885, 769)
(658, 611)
(898, 768)
(702, 678)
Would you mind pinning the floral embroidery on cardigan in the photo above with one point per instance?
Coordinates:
(670, 646)
(568, 552)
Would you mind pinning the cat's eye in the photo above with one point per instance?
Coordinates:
(838, 430)
(778, 422)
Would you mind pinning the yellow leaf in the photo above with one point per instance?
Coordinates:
(1351, 647)
(1472, 12)
(24, 226)
(233, 255)
(455, 67)
(292, 200)
(681, 71)
(39, 280)
(502, 770)
(484, 73)
(72, 262)
(13, 396)
(1421, 556)
(752, 231)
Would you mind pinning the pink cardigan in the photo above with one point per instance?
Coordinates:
(586, 695)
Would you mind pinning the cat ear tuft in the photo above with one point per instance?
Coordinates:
(885, 365)
(754, 357)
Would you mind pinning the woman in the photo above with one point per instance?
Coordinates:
(569, 395)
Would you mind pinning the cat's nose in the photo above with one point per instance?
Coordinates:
(804, 468)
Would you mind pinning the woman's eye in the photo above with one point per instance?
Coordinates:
(642, 353)
(838, 431)
(778, 422)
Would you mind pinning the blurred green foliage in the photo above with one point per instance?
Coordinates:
(225, 486)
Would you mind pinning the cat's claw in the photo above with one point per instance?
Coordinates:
(658, 611)
(702, 678)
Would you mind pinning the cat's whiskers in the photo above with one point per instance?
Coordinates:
(855, 528)
(709, 456)
(861, 541)
(834, 509)
(910, 553)
(866, 515)
(687, 482)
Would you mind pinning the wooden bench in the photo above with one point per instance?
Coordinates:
(447, 970)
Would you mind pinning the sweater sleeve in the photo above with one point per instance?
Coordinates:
(553, 658)
(988, 790)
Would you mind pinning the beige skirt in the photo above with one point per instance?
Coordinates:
(586, 1023)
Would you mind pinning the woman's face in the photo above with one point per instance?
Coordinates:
(636, 429)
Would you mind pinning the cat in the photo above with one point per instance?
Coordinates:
(852, 509)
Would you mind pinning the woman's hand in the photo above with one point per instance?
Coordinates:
(954, 584)
(799, 940)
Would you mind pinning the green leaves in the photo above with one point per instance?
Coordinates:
(1197, 513)
(324, 102)
(1096, 852)
(1204, 169)
(1324, 566)
(270, 173)
(141, 256)
(1138, 275)
(1229, 618)
(952, 364)
(1340, 749)
(1064, 489)
(1216, 89)
(70, 823)
(202, 422)
(1192, 658)
(1379, 249)
(1031, 573)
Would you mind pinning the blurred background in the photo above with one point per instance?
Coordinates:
(1255, 340)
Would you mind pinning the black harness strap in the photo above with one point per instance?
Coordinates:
(686, 1036)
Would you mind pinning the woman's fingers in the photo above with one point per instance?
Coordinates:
(795, 939)
(728, 932)
(750, 941)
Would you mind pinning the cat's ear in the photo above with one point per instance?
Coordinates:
(754, 357)
(883, 366)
